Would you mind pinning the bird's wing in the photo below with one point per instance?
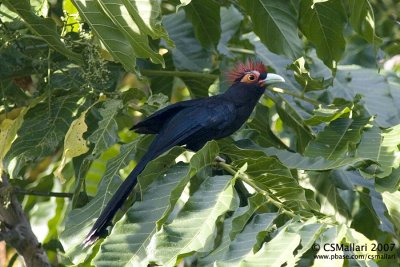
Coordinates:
(155, 122)
(201, 122)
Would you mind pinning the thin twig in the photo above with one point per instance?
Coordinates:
(42, 194)
(188, 74)
(302, 97)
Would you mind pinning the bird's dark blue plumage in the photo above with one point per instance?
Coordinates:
(192, 123)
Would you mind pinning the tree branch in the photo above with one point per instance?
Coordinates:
(15, 229)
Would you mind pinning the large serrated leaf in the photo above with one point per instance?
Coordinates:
(323, 24)
(121, 18)
(80, 220)
(233, 226)
(147, 15)
(243, 244)
(379, 97)
(203, 14)
(391, 201)
(351, 180)
(44, 27)
(334, 141)
(230, 22)
(188, 54)
(105, 134)
(261, 123)
(195, 226)
(275, 252)
(309, 232)
(246, 148)
(380, 146)
(327, 114)
(115, 42)
(289, 114)
(133, 233)
(273, 177)
(42, 131)
(362, 20)
(275, 22)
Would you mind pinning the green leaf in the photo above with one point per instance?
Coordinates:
(198, 86)
(323, 24)
(362, 20)
(121, 17)
(230, 22)
(105, 134)
(41, 132)
(391, 201)
(274, 178)
(381, 146)
(44, 27)
(275, 252)
(80, 220)
(246, 148)
(147, 15)
(353, 80)
(111, 35)
(260, 122)
(275, 22)
(200, 163)
(309, 232)
(352, 180)
(132, 234)
(188, 54)
(290, 116)
(194, 228)
(303, 77)
(334, 141)
(205, 17)
(243, 243)
(233, 226)
(333, 235)
(332, 202)
(328, 114)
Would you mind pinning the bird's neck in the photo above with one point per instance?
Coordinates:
(244, 94)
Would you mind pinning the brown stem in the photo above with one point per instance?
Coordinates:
(15, 229)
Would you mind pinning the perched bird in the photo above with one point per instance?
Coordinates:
(192, 123)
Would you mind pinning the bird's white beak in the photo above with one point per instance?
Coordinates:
(271, 79)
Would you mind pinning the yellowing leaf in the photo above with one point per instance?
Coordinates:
(74, 143)
(8, 130)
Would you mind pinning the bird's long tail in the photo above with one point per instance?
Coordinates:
(117, 199)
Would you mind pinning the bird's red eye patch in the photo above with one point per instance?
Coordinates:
(240, 70)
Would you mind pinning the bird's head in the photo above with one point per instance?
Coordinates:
(253, 73)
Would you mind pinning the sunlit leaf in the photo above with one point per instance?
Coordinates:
(362, 20)
(333, 142)
(44, 27)
(195, 226)
(275, 252)
(134, 231)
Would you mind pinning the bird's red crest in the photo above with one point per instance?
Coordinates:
(241, 68)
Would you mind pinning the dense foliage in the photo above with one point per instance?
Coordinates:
(317, 163)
